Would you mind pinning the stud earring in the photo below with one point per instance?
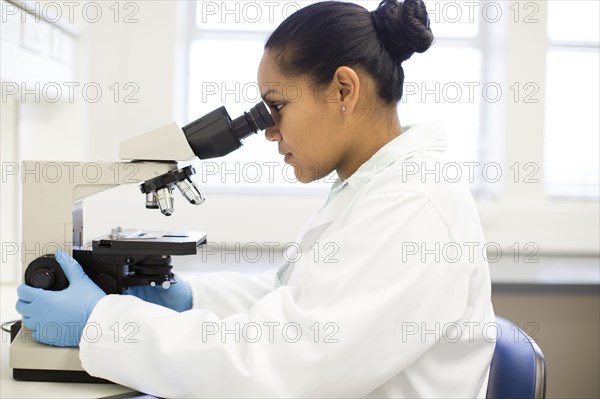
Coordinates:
(343, 109)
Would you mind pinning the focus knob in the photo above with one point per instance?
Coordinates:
(43, 278)
(46, 273)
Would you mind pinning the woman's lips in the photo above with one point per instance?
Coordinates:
(287, 157)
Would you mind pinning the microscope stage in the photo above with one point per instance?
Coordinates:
(151, 243)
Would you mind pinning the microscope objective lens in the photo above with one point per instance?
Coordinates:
(165, 201)
(191, 192)
(151, 202)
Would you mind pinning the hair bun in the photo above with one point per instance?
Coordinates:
(403, 28)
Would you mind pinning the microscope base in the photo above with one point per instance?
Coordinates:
(80, 377)
(32, 361)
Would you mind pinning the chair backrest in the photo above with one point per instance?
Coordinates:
(518, 369)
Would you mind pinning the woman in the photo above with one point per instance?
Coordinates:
(382, 300)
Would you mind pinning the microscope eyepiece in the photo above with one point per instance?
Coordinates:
(216, 134)
(258, 118)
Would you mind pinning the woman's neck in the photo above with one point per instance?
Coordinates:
(368, 139)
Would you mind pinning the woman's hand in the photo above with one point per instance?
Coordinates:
(177, 297)
(58, 317)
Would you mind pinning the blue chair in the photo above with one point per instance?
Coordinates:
(518, 369)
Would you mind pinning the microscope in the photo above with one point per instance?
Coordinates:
(52, 216)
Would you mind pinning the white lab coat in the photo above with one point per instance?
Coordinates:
(374, 303)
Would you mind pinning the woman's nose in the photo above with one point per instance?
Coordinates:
(273, 134)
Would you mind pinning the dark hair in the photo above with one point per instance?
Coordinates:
(316, 40)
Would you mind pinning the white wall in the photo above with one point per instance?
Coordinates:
(9, 197)
(37, 121)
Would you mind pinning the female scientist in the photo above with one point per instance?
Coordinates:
(394, 305)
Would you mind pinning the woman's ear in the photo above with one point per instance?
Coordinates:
(348, 84)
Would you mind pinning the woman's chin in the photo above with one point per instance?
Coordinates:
(303, 176)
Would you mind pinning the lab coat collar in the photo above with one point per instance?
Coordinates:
(413, 139)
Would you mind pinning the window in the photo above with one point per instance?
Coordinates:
(572, 146)
(225, 47)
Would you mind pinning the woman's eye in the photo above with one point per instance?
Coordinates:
(277, 107)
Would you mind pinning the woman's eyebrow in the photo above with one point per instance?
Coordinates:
(266, 93)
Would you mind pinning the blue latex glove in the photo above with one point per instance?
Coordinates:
(58, 317)
(177, 297)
